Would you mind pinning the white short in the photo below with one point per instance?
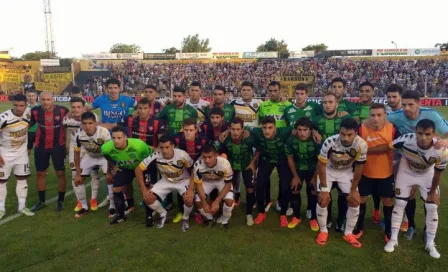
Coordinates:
(343, 178)
(88, 163)
(163, 187)
(20, 166)
(406, 180)
(210, 186)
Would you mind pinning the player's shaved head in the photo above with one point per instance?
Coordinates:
(46, 101)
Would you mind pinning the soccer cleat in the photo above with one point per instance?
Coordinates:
(93, 204)
(104, 203)
(249, 220)
(314, 225)
(308, 214)
(25, 211)
(59, 207)
(161, 223)
(39, 206)
(431, 249)
(277, 207)
(294, 222)
(358, 233)
(322, 238)
(376, 216)
(149, 222)
(209, 222)
(390, 246)
(404, 226)
(219, 220)
(78, 206)
(169, 206)
(198, 219)
(268, 207)
(129, 210)
(117, 220)
(329, 225)
(410, 233)
(185, 225)
(226, 226)
(283, 221)
(260, 218)
(80, 213)
(237, 203)
(177, 218)
(351, 239)
(340, 226)
(2, 214)
(289, 212)
(112, 213)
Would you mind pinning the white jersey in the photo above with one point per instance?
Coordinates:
(72, 126)
(14, 134)
(200, 108)
(247, 111)
(174, 170)
(221, 172)
(339, 157)
(416, 160)
(91, 144)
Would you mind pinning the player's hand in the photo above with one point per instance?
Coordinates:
(135, 113)
(344, 113)
(109, 178)
(215, 207)
(324, 197)
(295, 183)
(206, 207)
(433, 198)
(2, 162)
(354, 194)
(253, 168)
(223, 136)
(316, 137)
(69, 115)
(245, 134)
(441, 143)
(148, 195)
(189, 195)
(78, 180)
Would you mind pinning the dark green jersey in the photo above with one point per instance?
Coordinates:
(229, 112)
(294, 113)
(273, 150)
(239, 154)
(362, 112)
(304, 152)
(347, 106)
(328, 127)
(174, 116)
(130, 157)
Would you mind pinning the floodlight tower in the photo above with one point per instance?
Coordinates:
(49, 42)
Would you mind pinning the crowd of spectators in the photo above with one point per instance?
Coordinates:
(430, 74)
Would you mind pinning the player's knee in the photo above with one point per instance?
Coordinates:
(401, 203)
(388, 202)
(117, 189)
(352, 203)
(250, 190)
(228, 202)
(41, 174)
(323, 202)
(60, 174)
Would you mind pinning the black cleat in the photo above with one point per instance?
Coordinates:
(340, 226)
(39, 206)
(59, 207)
(169, 206)
(112, 213)
(226, 226)
(81, 212)
(149, 222)
(209, 222)
(117, 220)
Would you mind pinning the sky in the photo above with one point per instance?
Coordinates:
(93, 26)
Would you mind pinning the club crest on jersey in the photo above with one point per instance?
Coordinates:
(307, 114)
(397, 191)
(179, 163)
(49, 118)
(132, 156)
(2, 174)
(123, 105)
(255, 105)
(28, 116)
(352, 152)
(221, 173)
(72, 165)
(100, 141)
(432, 160)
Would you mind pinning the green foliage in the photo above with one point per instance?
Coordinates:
(193, 44)
(274, 45)
(317, 48)
(124, 48)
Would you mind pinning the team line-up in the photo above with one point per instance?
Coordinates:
(202, 152)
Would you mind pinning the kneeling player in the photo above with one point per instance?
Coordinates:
(91, 137)
(173, 165)
(421, 165)
(336, 159)
(212, 172)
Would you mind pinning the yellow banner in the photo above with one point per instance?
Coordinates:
(14, 78)
(67, 77)
(2, 75)
(43, 86)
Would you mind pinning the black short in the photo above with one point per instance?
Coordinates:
(150, 175)
(247, 175)
(31, 138)
(383, 187)
(123, 177)
(42, 158)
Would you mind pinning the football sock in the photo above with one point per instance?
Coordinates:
(187, 211)
(432, 222)
(322, 214)
(3, 194)
(397, 216)
(22, 193)
(352, 218)
(226, 213)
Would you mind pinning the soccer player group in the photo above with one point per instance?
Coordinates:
(203, 151)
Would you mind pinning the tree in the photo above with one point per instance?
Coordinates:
(275, 46)
(124, 48)
(443, 46)
(193, 44)
(317, 48)
(172, 50)
(37, 55)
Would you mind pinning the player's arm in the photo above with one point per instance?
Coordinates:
(322, 166)
(292, 166)
(253, 163)
(77, 157)
(359, 165)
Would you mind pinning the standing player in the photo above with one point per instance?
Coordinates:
(219, 101)
(212, 172)
(196, 101)
(239, 152)
(123, 156)
(338, 89)
(91, 137)
(31, 98)
(301, 152)
(215, 124)
(150, 93)
(336, 159)
(421, 165)
(50, 142)
(174, 166)
(247, 107)
(13, 152)
(366, 99)
(393, 94)
(274, 107)
(301, 107)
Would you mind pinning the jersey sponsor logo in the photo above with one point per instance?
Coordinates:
(307, 108)
(369, 139)
(114, 114)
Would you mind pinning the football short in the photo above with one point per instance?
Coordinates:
(31, 138)
(342, 178)
(210, 186)
(123, 177)
(162, 188)
(384, 187)
(42, 158)
(20, 166)
(405, 181)
(89, 163)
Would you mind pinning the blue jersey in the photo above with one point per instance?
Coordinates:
(112, 111)
(406, 125)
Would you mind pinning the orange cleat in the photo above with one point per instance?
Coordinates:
(376, 217)
(314, 225)
(78, 206)
(404, 226)
(294, 222)
(260, 218)
(93, 204)
(283, 221)
(322, 238)
(359, 235)
(351, 239)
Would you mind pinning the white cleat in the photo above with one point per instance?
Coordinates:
(308, 214)
(277, 207)
(289, 212)
(2, 214)
(390, 246)
(249, 220)
(104, 203)
(268, 207)
(219, 220)
(26, 211)
(432, 251)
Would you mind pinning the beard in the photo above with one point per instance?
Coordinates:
(330, 112)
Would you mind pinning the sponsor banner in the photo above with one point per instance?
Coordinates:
(427, 102)
(301, 54)
(425, 51)
(158, 56)
(4, 55)
(260, 55)
(391, 52)
(49, 62)
(49, 87)
(59, 98)
(93, 65)
(112, 56)
(58, 77)
(12, 77)
(298, 78)
(351, 53)
(56, 69)
(200, 55)
(227, 55)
